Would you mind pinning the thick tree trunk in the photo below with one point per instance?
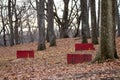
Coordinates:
(51, 33)
(93, 22)
(41, 24)
(16, 23)
(107, 29)
(84, 21)
(10, 22)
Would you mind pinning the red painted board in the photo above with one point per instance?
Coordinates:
(85, 46)
(79, 58)
(75, 58)
(70, 58)
(25, 54)
(87, 57)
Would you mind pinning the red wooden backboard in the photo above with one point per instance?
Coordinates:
(78, 58)
(25, 54)
(85, 46)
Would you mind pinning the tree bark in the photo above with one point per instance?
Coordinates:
(16, 25)
(3, 24)
(107, 32)
(10, 22)
(64, 25)
(87, 8)
(98, 18)
(79, 18)
(117, 18)
(84, 21)
(41, 24)
(30, 31)
(51, 33)
(93, 22)
(114, 6)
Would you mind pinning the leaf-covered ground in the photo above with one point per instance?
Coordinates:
(51, 64)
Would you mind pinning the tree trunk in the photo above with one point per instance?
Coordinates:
(41, 24)
(16, 28)
(3, 24)
(93, 22)
(79, 18)
(21, 30)
(84, 21)
(50, 25)
(114, 6)
(16, 32)
(47, 36)
(10, 22)
(98, 18)
(30, 31)
(64, 25)
(107, 31)
(87, 8)
(117, 18)
(4, 36)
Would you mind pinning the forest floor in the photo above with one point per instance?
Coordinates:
(51, 64)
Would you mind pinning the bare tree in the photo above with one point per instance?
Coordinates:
(107, 32)
(66, 23)
(63, 31)
(41, 23)
(50, 25)
(93, 22)
(10, 14)
(16, 23)
(84, 20)
(117, 17)
(79, 19)
(98, 17)
(3, 24)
